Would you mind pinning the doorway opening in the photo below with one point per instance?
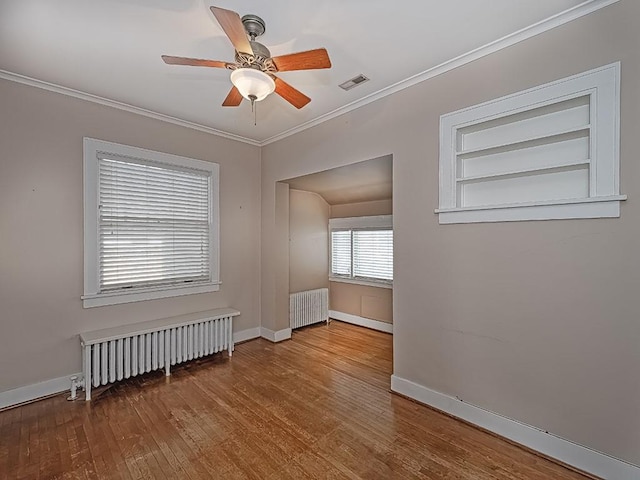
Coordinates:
(340, 244)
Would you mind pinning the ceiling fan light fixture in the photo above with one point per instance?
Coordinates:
(252, 84)
(254, 70)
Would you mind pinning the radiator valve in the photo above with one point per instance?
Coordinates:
(74, 387)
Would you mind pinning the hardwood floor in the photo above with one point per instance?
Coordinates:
(317, 406)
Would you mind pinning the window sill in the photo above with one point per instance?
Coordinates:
(115, 298)
(594, 207)
(360, 281)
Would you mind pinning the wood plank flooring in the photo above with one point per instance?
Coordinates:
(317, 406)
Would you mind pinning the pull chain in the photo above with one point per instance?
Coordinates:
(254, 108)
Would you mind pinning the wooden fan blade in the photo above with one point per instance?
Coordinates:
(290, 94)
(233, 99)
(194, 62)
(232, 25)
(309, 60)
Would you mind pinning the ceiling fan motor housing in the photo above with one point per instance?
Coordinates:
(260, 59)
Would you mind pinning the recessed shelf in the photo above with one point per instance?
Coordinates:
(525, 172)
(569, 134)
(546, 111)
(550, 152)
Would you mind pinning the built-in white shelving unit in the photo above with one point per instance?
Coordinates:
(555, 143)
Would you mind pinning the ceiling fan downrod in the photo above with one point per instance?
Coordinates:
(254, 26)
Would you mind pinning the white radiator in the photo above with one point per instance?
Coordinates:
(113, 354)
(306, 308)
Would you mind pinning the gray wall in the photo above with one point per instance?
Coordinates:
(537, 321)
(41, 249)
(308, 241)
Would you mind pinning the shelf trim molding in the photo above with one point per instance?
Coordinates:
(569, 201)
(603, 207)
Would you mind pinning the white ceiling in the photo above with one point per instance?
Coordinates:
(358, 182)
(111, 49)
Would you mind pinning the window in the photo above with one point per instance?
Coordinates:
(362, 250)
(550, 152)
(151, 224)
(341, 252)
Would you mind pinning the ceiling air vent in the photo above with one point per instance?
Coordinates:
(354, 82)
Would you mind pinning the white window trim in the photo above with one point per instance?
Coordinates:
(373, 221)
(351, 223)
(92, 150)
(603, 84)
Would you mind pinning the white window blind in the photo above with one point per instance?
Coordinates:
(373, 254)
(362, 249)
(153, 226)
(341, 252)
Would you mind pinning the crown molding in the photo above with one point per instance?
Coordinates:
(585, 8)
(52, 87)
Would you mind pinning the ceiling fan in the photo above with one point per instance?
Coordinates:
(253, 72)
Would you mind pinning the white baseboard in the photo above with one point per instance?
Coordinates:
(275, 337)
(361, 321)
(34, 391)
(578, 456)
(244, 335)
